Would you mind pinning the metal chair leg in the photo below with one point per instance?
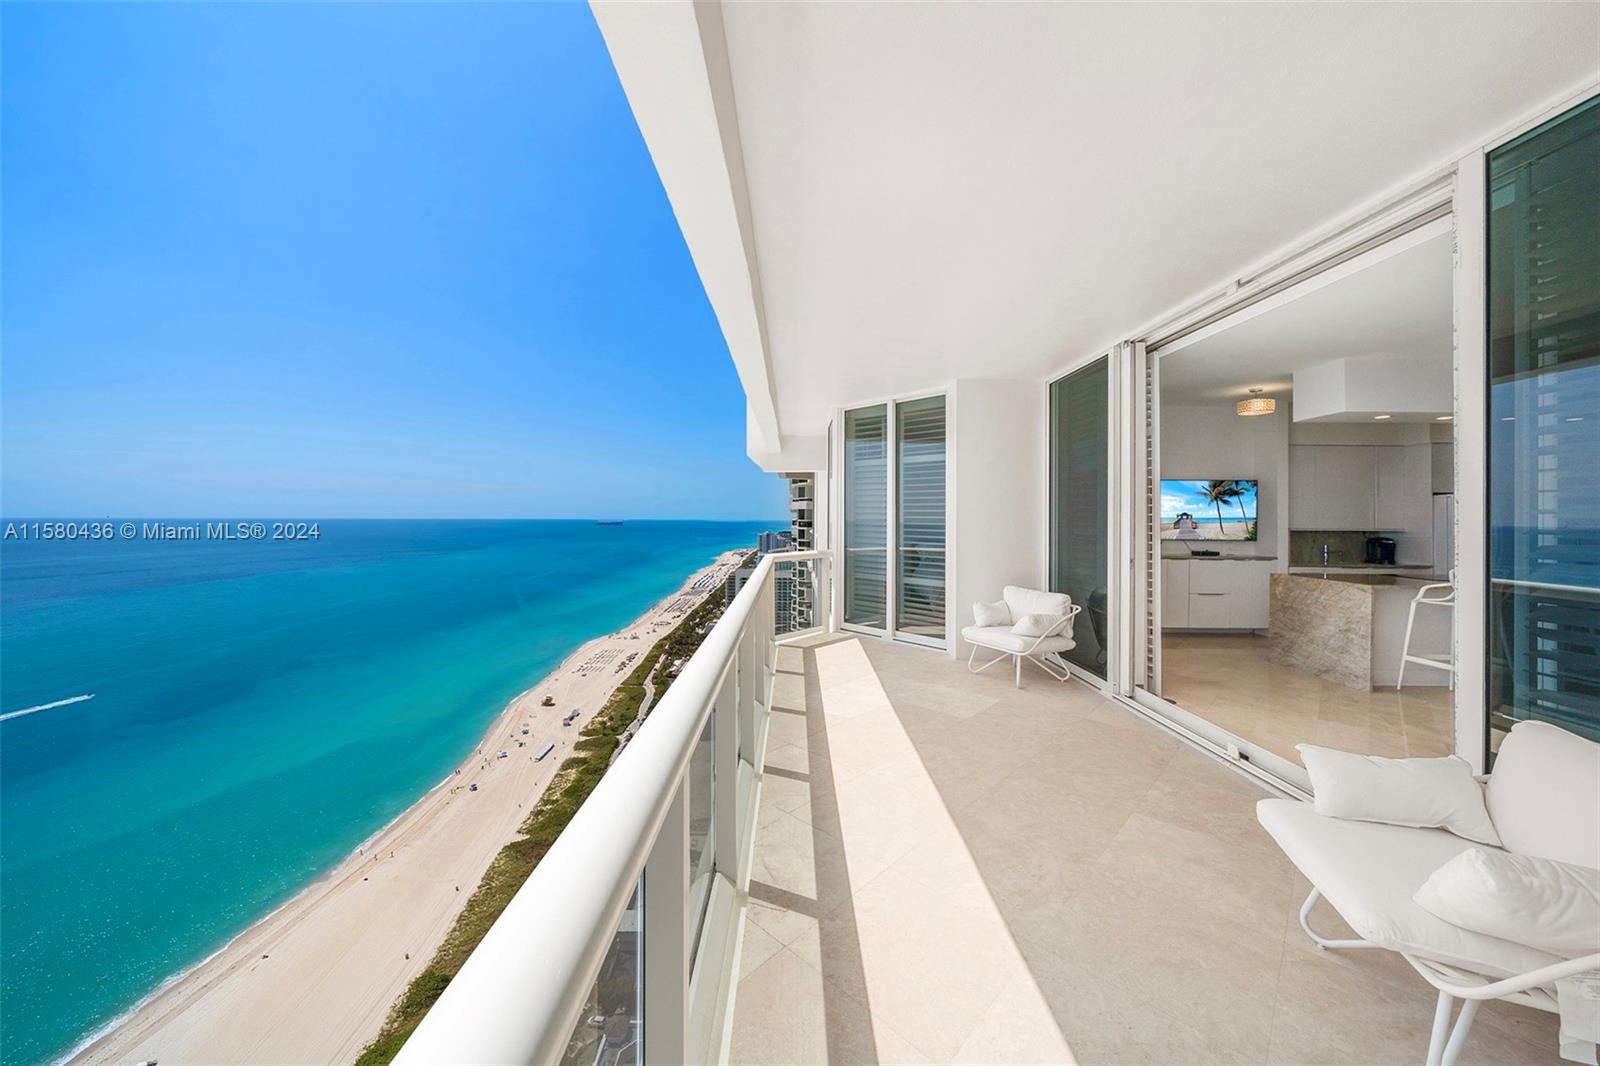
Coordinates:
(1441, 1027)
(1458, 1034)
(1317, 938)
(1405, 649)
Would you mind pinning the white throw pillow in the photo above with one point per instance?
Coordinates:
(1035, 625)
(991, 614)
(1422, 793)
(1545, 904)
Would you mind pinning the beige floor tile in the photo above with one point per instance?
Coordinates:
(1328, 1014)
(1199, 968)
(1247, 885)
(951, 869)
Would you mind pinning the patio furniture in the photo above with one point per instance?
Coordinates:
(1544, 800)
(1441, 595)
(1026, 624)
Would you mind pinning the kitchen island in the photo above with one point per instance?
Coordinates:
(1350, 628)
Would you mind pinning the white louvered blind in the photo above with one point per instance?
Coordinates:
(920, 474)
(866, 515)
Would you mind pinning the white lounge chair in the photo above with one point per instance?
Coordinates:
(1544, 800)
(1052, 638)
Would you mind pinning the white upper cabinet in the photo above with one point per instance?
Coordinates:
(1360, 487)
(1346, 487)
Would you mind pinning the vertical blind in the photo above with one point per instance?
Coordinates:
(920, 482)
(866, 515)
(1544, 425)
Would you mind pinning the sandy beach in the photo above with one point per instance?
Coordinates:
(313, 981)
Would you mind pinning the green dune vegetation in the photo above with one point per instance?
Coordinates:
(576, 778)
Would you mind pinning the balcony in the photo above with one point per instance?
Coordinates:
(948, 869)
(836, 848)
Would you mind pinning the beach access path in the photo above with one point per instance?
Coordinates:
(313, 981)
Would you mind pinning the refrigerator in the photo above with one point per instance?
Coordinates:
(1444, 533)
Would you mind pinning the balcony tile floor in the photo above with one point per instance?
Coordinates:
(949, 869)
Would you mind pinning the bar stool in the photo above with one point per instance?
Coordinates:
(1430, 596)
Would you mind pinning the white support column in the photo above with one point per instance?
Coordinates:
(666, 936)
(1471, 458)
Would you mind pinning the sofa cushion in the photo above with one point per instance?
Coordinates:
(1037, 625)
(1370, 872)
(1420, 793)
(1553, 906)
(1000, 638)
(1025, 601)
(991, 614)
(1544, 794)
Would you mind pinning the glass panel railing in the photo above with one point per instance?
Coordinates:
(610, 1031)
(702, 786)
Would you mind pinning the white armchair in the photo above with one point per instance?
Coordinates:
(1544, 800)
(1025, 624)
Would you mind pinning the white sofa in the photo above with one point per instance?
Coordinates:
(1055, 638)
(1544, 800)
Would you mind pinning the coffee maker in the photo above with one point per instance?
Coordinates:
(1380, 550)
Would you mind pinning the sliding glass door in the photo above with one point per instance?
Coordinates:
(906, 540)
(1079, 491)
(866, 516)
(919, 520)
(1544, 426)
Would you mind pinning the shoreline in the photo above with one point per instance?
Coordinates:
(314, 978)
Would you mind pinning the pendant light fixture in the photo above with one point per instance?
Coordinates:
(1256, 405)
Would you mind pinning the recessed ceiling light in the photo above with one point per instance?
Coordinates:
(1445, 418)
(1575, 418)
(1508, 418)
(1380, 418)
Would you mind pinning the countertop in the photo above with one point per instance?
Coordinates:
(1373, 580)
(1223, 558)
(1336, 565)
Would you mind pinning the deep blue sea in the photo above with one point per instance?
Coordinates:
(259, 709)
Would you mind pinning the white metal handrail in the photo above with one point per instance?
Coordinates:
(520, 994)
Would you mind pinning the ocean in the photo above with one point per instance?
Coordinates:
(259, 709)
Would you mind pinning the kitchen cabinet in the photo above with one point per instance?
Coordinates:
(1215, 593)
(1175, 594)
(1346, 486)
(1360, 487)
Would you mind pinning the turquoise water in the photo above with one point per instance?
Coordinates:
(259, 709)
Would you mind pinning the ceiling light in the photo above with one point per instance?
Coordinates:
(1256, 405)
(1575, 418)
(1445, 418)
(1380, 418)
(1508, 418)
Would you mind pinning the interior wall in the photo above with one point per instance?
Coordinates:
(999, 494)
(1211, 441)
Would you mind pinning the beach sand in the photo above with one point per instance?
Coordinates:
(314, 980)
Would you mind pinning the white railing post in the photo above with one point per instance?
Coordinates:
(666, 936)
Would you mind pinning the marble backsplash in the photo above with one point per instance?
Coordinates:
(1344, 547)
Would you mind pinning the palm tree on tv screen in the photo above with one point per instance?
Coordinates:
(1218, 493)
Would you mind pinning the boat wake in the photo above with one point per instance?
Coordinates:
(45, 707)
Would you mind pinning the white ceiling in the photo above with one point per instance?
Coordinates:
(1398, 306)
(943, 190)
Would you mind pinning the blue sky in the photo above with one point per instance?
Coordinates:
(348, 260)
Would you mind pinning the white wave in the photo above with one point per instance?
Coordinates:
(45, 706)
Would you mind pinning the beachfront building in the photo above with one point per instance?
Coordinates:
(1269, 335)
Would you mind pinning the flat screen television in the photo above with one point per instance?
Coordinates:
(1208, 510)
